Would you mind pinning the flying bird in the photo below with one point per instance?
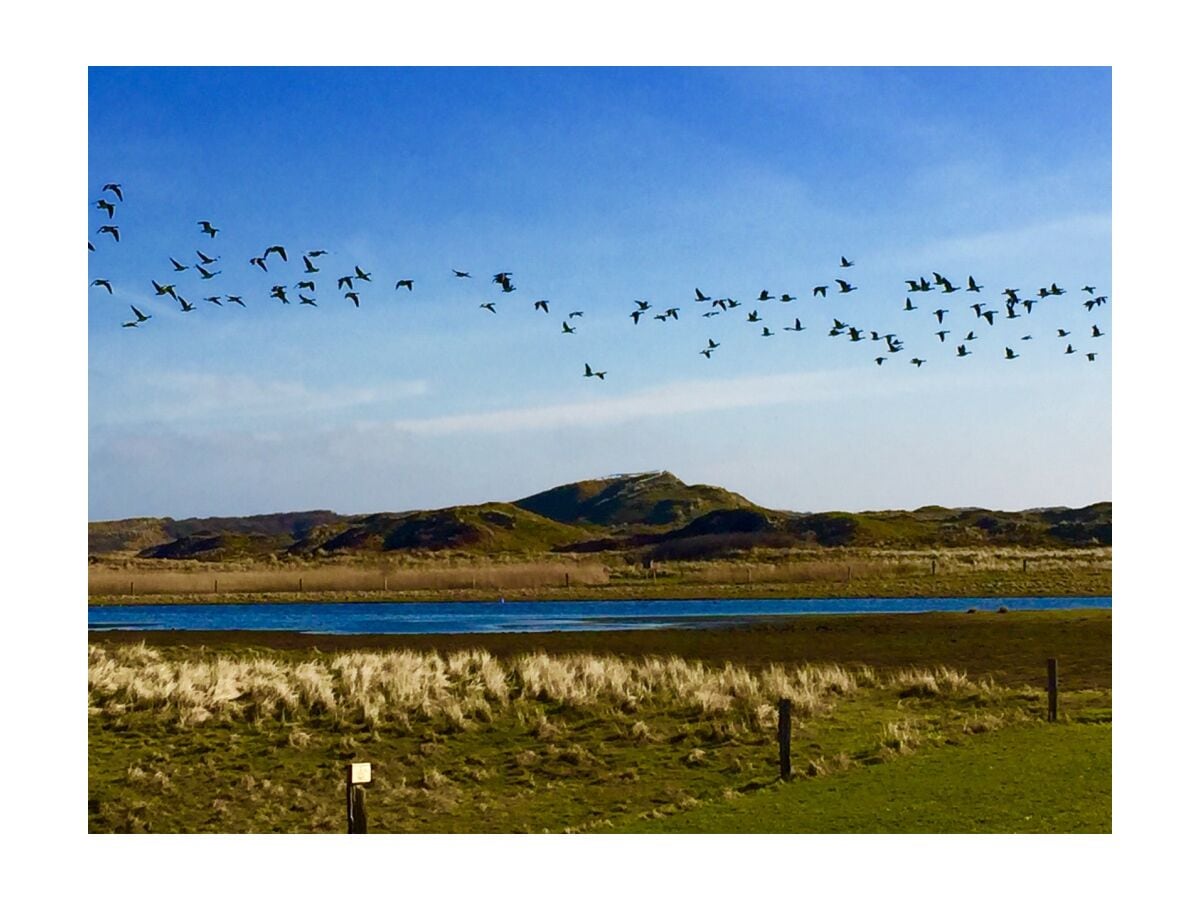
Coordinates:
(700, 298)
(673, 312)
(207, 227)
(310, 301)
(490, 307)
(216, 300)
(786, 298)
(1062, 333)
(588, 373)
(179, 267)
(91, 247)
(458, 274)
(990, 315)
(309, 268)
(941, 335)
(346, 281)
(1096, 332)
(184, 305)
(642, 305)
(110, 229)
(207, 260)
(767, 332)
(575, 314)
(1008, 353)
(844, 287)
(405, 283)
(276, 249)
(796, 327)
(106, 206)
(361, 275)
(1089, 288)
(234, 298)
(1091, 357)
(353, 295)
(972, 286)
(567, 329)
(918, 362)
(939, 313)
(765, 296)
(141, 316)
(963, 351)
(317, 252)
(846, 263)
(115, 189)
(821, 289)
(543, 305)
(636, 314)
(908, 305)
(104, 283)
(754, 316)
(310, 285)
(205, 274)
(1069, 349)
(880, 360)
(260, 262)
(160, 289)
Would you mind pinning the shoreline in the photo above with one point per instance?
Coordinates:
(1088, 583)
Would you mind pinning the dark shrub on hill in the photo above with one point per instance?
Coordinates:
(826, 529)
(716, 546)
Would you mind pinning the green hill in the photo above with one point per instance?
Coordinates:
(653, 513)
(652, 499)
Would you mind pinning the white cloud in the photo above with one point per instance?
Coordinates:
(184, 396)
(676, 398)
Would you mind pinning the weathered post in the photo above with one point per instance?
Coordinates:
(214, 585)
(566, 579)
(131, 587)
(785, 738)
(357, 774)
(933, 566)
(301, 588)
(1052, 688)
(385, 581)
(847, 574)
(1025, 565)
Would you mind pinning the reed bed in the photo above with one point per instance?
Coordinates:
(399, 688)
(220, 579)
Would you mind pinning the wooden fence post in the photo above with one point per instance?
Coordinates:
(1052, 688)
(214, 585)
(785, 738)
(357, 774)
(301, 583)
(1024, 565)
(131, 587)
(933, 566)
(566, 579)
(385, 582)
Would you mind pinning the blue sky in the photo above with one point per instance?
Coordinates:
(596, 188)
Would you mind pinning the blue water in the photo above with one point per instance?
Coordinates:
(465, 617)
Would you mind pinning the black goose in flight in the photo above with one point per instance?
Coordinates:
(767, 332)
(216, 300)
(277, 250)
(404, 283)
(939, 313)
(796, 327)
(941, 335)
(908, 305)
(1069, 349)
(346, 281)
(115, 189)
(307, 285)
(104, 283)
(636, 314)
(184, 305)
(260, 262)
(963, 351)
(205, 274)
(821, 289)
(588, 373)
(490, 307)
(972, 286)
(310, 301)
(567, 329)
(642, 305)
(114, 230)
(207, 227)
(458, 274)
(179, 267)
(309, 268)
(207, 260)
(844, 287)
(1008, 353)
(141, 316)
(918, 362)
(763, 295)
(234, 298)
(1096, 332)
(353, 296)
(700, 298)
(543, 305)
(1089, 289)
(846, 263)
(361, 275)
(106, 206)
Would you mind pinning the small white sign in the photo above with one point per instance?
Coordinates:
(360, 773)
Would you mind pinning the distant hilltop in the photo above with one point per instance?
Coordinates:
(653, 514)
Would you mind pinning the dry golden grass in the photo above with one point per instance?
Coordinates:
(171, 580)
(455, 690)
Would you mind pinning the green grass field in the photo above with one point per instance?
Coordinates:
(1031, 778)
(247, 738)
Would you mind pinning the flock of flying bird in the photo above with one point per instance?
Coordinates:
(351, 284)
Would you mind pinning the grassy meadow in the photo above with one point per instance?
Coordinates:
(623, 736)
